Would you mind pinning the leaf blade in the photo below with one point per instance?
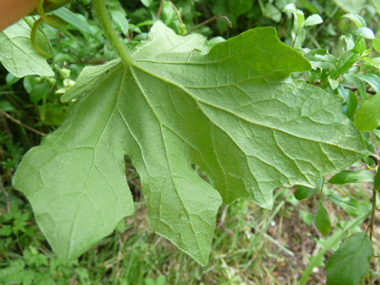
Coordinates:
(195, 105)
(18, 55)
(368, 116)
(349, 204)
(322, 220)
(347, 176)
(354, 252)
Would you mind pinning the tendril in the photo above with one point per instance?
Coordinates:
(42, 46)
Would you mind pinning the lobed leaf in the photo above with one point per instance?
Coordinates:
(231, 109)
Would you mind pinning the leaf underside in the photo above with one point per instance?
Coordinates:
(230, 109)
(18, 55)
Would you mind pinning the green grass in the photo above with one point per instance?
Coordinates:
(251, 246)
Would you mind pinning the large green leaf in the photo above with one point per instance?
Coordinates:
(350, 262)
(17, 53)
(231, 109)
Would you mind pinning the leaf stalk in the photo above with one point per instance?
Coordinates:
(105, 21)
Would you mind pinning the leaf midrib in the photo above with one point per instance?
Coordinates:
(168, 160)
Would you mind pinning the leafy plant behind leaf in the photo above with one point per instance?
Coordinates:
(230, 109)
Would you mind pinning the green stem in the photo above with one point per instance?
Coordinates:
(323, 184)
(101, 11)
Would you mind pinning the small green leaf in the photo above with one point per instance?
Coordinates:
(364, 32)
(290, 8)
(360, 45)
(344, 63)
(18, 55)
(360, 84)
(366, 52)
(376, 3)
(10, 79)
(6, 230)
(301, 38)
(272, 12)
(307, 218)
(370, 61)
(146, 3)
(368, 116)
(352, 104)
(7, 106)
(303, 192)
(320, 58)
(239, 7)
(168, 13)
(149, 281)
(161, 280)
(300, 18)
(351, 6)
(333, 83)
(120, 20)
(313, 20)
(322, 220)
(349, 40)
(349, 204)
(39, 91)
(357, 19)
(349, 264)
(372, 79)
(376, 44)
(213, 41)
(79, 22)
(347, 176)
